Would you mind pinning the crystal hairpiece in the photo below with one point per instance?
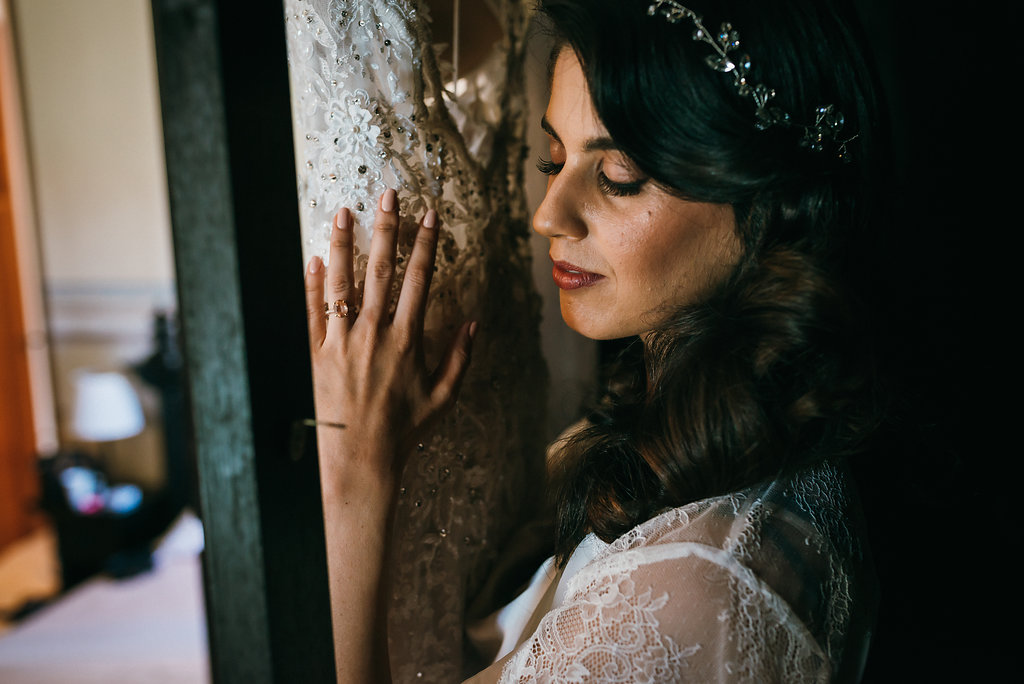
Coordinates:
(828, 121)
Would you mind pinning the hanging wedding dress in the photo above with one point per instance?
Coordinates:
(371, 111)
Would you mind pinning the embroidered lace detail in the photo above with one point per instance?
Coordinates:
(750, 587)
(604, 635)
(370, 112)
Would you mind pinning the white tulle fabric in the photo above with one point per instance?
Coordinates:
(767, 585)
(371, 111)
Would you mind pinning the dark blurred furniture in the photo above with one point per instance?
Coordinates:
(107, 542)
(119, 544)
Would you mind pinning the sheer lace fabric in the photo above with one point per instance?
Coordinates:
(767, 585)
(371, 111)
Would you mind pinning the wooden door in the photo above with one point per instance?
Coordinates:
(19, 485)
(237, 251)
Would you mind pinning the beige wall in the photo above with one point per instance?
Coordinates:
(89, 74)
(94, 143)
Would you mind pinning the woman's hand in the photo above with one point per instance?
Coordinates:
(369, 371)
(374, 398)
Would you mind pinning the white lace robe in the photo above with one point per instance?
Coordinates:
(371, 111)
(768, 585)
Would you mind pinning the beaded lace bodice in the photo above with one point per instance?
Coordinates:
(371, 111)
(767, 585)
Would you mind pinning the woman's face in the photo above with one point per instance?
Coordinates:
(624, 251)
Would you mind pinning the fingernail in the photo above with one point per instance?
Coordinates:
(342, 219)
(430, 220)
(472, 330)
(387, 202)
(315, 264)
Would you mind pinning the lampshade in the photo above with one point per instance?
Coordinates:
(106, 407)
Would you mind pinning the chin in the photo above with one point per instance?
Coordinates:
(600, 324)
(594, 327)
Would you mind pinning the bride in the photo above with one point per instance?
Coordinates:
(709, 169)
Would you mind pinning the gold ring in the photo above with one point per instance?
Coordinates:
(339, 309)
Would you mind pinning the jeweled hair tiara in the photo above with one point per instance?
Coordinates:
(828, 121)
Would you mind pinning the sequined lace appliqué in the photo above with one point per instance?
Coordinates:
(371, 111)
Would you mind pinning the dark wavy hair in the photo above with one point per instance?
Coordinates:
(771, 371)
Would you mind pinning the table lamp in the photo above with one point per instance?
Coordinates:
(106, 409)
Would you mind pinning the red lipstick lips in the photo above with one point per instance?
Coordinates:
(570, 277)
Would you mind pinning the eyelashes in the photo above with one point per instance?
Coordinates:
(548, 167)
(607, 186)
(610, 187)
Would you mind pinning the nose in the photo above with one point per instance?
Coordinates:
(559, 213)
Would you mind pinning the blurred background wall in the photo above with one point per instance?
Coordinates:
(92, 132)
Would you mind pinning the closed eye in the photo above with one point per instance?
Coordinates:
(617, 189)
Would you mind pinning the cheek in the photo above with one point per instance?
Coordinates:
(627, 238)
(649, 256)
(668, 259)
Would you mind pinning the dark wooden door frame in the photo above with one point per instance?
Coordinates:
(227, 133)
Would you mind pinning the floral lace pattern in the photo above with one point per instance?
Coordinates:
(371, 111)
(715, 591)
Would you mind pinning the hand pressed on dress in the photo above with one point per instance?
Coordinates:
(369, 370)
(370, 375)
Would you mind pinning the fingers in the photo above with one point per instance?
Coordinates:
(315, 302)
(448, 376)
(412, 305)
(339, 271)
(380, 270)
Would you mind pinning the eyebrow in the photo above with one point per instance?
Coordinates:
(591, 145)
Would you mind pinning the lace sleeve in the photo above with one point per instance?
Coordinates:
(673, 612)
